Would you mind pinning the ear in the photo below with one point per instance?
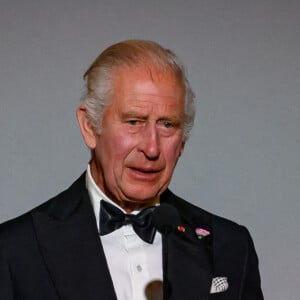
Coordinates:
(182, 148)
(86, 127)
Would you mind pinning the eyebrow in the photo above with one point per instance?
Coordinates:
(177, 121)
(136, 114)
(133, 114)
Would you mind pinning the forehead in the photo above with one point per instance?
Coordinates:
(147, 87)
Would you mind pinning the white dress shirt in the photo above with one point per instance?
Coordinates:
(133, 263)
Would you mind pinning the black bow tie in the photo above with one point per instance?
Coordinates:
(112, 218)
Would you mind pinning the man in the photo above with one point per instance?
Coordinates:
(91, 241)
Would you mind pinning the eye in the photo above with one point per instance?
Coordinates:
(133, 122)
(167, 124)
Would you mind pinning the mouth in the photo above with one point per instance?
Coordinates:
(146, 174)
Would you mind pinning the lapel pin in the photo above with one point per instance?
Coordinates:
(201, 233)
(181, 228)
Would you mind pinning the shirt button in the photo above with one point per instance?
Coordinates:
(139, 268)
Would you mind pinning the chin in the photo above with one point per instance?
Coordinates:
(142, 195)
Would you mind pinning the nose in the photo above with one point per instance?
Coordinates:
(150, 142)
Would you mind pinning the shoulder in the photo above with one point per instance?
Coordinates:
(222, 227)
(231, 241)
(20, 228)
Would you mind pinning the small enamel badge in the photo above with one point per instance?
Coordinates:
(181, 228)
(201, 233)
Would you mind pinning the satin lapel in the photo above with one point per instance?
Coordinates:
(69, 242)
(189, 258)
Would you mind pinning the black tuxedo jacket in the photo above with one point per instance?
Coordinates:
(54, 252)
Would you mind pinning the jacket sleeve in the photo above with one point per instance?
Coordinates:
(6, 287)
(251, 286)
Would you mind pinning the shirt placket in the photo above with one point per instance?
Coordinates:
(137, 263)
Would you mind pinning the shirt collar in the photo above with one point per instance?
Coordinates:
(96, 195)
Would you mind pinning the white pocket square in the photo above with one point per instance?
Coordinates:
(218, 285)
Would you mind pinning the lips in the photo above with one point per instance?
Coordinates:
(147, 174)
(145, 170)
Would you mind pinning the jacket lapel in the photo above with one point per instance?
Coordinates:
(69, 242)
(189, 258)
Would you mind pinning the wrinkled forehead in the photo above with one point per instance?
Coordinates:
(139, 81)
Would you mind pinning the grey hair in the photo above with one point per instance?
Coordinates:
(132, 53)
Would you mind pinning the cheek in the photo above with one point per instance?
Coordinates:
(171, 155)
(121, 145)
(172, 152)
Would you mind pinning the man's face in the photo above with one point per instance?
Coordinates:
(141, 137)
